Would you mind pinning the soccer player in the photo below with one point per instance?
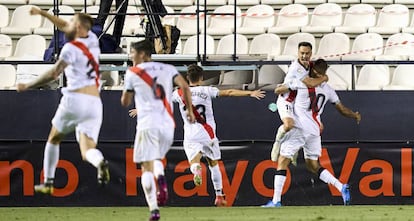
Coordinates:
(298, 70)
(200, 138)
(80, 109)
(308, 107)
(152, 84)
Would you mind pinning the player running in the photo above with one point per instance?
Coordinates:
(298, 70)
(152, 84)
(200, 138)
(309, 105)
(80, 108)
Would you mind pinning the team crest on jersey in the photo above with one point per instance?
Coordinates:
(299, 70)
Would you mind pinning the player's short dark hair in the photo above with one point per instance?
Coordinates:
(85, 20)
(194, 72)
(320, 66)
(145, 45)
(305, 44)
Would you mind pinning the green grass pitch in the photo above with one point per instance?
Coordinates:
(291, 213)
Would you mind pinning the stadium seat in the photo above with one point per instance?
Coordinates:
(169, 19)
(358, 19)
(324, 18)
(340, 76)
(290, 19)
(47, 27)
(235, 79)
(188, 23)
(344, 1)
(245, 2)
(42, 2)
(109, 78)
(224, 24)
(403, 78)
(28, 72)
(377, 2)
(29, 47)
(93, 10)
(258, 18)
(77, 3)
(22, 23)
(332, 46)
(290, 51)
(98, 2)
(13, 2)
(391, 19)
(226, 45)
(4, 16)
(270, 76)
(409, 29)
(190, 46)
(398, 47)
(310, 2)
(365, 47)
(132, 22)
(213, 2)
(373, 77)
(276, 2)
(6, 46)
(8, 76)
(265, 44)
(173, 3)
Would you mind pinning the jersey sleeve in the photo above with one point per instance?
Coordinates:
(68, 54)
(128, 85)
(213, 92)
(332, 95)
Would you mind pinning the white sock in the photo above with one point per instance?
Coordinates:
(158, 168)
(280, 133)
(148, 184)
(279, 181)
(193, 167)
(94, 156)
(50, 161)
(217, 179)
(327, 177)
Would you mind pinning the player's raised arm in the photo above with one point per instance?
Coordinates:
(258, 94)
(45, 78)
(60, 23)
(182, 84)
(281, 89)
(345, 111)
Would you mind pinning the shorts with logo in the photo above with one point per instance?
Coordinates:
(208, 148)
(296, 139)
(81, 113)
(152, 144)
(284, 108)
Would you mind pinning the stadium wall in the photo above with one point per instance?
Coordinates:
(375, 157)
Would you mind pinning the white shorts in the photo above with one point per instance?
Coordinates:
(284, 108)
(152, 144)
(208, 148)
(295, 139)
(80, 112)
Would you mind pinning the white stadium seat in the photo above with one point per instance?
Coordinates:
(13, 2)
(324, 18)
(190, 46)
(332, 46)
(22, 22)
(188, 23)
(403, 78)
(399, 46)
(391, 19)
(47, 27)
(373, 77)
(340, 76)
(244, 2)
(365, 47)
(213, 2)
(132, 22)
(4, 16)
(29, 47)
(269, 76)
(358, 19)
(276, 2)
(258, 18)
(28, 72)
(290, 19)
(267, 44)
(8, 76)
(226, 45)
(409, 29)
(233, 78)
(178, 2)
(290, 51)
(77, 2)
(169, 19)
(6, 46)
(224, 24)
(310, 2)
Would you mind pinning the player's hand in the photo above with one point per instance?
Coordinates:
(21, 87)
(35, 11)
(132, 113)
(357, 117)
(258, 94)
(321, 127)
(190, 116)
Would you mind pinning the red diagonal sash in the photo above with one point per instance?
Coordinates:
(88, 54)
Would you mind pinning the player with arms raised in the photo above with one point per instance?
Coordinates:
(80, 108)
(200, 138)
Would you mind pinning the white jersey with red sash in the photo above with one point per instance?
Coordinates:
(153, 102)
(201, 97)
(309, 105)
(81, 70)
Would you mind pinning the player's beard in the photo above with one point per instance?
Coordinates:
(70, 36)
